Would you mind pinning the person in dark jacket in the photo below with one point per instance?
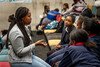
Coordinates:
(57, 55)
(93, 28)
(78, 53)
(68, 27)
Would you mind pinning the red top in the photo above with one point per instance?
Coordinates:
(5, 64)
(91, 35)
(78, 44)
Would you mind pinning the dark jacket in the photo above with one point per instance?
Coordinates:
(65, 35)
(96, 40)
(79, 56)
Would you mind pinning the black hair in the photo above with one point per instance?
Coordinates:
(91, 25)
(79, 35)
(45, 6)
(11, 18)
(66, 4)
(56, 9)
(19, 14)
(46, 9)
(4, 32)
(87, 13)
(75, 1)
(72, 16)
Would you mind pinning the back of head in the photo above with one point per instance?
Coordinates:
(91, 26)
(56, 9)
(79, 35)
(79, 22)
(66, 5)
(87, 13)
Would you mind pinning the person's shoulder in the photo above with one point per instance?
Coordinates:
(15, 31)
(14, 28)
(76, 48)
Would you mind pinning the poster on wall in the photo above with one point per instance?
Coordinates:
(16, 1)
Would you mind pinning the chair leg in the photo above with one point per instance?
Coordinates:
(47, 41)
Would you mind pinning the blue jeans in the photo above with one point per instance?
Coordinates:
(36, 62)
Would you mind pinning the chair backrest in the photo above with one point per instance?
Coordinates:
(4, 55)
(5, 64)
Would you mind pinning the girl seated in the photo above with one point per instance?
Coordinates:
(78, 53)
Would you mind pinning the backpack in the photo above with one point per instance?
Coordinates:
(52, 25)
(52, 15)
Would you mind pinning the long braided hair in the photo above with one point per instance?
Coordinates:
(19, 14)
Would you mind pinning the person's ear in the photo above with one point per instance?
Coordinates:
(72, 42)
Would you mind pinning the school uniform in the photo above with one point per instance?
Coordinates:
(65, 34)
(58, 55)
(95, 39)
(79, 56)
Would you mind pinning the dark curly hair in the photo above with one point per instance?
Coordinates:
(19, 14)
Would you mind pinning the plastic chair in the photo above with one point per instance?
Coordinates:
(5, 64)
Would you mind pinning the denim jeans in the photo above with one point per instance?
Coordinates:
(36, 62)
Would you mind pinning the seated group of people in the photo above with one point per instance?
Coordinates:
(80, 43)
(79, 46)
(54, 19)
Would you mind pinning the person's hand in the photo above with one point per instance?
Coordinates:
(58, 46)
(40, 43)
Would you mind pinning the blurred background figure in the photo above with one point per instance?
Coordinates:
(65, 8)
(46, 10)
(51, 16)
(79, 2)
